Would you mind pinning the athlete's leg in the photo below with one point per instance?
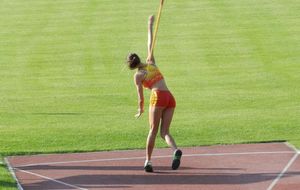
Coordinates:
(167, 116)
(155, 114)
(165, 134)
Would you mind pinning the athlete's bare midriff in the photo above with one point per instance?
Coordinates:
(160, 85)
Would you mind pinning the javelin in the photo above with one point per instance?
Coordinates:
(156, 26)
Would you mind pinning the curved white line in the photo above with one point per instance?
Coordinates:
(53, 180)
(154, 157)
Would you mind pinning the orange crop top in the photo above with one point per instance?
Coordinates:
(153, 75)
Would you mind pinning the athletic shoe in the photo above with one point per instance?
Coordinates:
(176, 159)
(148, 166)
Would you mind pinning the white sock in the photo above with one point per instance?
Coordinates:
(148, 162)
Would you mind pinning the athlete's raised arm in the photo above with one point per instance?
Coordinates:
(150, 57)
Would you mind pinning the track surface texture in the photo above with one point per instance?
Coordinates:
(265, 166)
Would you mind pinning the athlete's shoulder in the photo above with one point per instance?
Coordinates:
(139, 75)
(152, 66)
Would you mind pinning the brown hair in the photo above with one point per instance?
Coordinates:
(133, 61)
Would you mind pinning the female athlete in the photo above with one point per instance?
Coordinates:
(162, 102)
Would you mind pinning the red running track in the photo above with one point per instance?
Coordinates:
(266, 166)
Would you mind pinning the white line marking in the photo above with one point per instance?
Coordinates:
(79, 161)
(239, 153)
(283, 171)
(154, 157)
(79, 153)
(54, 180)
(292, 147)
(11, 170)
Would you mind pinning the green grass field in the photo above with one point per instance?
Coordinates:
(233, 67)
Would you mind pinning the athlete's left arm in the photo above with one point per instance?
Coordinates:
(138, 82)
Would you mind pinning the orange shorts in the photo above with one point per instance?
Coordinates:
(162, 99)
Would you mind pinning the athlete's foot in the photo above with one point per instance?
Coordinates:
(176, 159)
(148, 166)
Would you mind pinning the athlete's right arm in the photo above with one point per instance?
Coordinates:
(150, 57)
(138, 78)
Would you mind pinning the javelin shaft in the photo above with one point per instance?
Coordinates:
(156, 27)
